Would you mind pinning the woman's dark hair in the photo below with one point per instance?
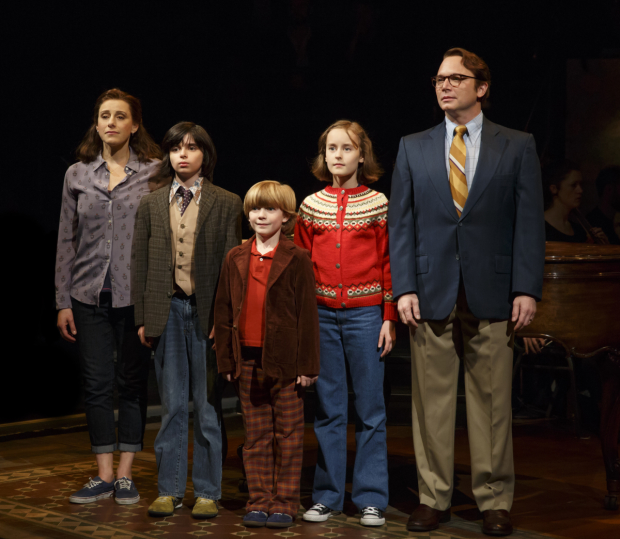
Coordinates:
(174, 137)
(554, 173)
(141, 142)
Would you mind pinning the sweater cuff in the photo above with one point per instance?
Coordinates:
(390, 311)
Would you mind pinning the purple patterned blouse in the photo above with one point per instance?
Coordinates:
(96, 229)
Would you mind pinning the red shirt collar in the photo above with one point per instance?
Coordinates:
(270, 254)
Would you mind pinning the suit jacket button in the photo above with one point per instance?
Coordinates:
(234, 327)
(169, 294)
(458, 257)
(460, 224)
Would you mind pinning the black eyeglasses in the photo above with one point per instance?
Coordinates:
(454, 80)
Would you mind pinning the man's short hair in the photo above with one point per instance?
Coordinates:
(476, 65)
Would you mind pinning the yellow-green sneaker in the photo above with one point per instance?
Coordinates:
(164, 506)
(204, 508)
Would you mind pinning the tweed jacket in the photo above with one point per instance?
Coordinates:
(291, 345)
(218, 230)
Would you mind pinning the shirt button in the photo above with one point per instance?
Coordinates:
(108, 241)
(337, 246)
(343, 304)
(342, 192)
(340, 285)
(109, 221)
(338, 266)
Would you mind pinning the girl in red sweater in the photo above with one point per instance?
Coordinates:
(344, 226)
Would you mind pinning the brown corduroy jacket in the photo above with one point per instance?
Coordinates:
(218, 230)
(291, 345)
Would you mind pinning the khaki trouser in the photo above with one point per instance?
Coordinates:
(486, 348)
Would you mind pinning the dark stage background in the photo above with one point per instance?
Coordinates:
(265, 78)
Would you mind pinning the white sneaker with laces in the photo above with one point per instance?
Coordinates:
(371, 516)
(319, 513)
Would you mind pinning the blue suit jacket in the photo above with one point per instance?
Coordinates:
(498, 243)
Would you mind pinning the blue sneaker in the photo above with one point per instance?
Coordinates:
(255, 519)
(126, 491)
(95, 489)
(279, 520)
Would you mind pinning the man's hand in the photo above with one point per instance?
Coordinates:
(409, 309)
(523, 311)
(387, 337)
(533, 345)
(146, 341)
(306, 381)
(65, 318)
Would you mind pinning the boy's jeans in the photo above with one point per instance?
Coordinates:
(180, 355)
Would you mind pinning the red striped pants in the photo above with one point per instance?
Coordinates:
(273, 416)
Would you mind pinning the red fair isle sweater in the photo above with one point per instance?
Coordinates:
(345, 230)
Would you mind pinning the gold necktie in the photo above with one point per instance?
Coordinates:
(458, 181)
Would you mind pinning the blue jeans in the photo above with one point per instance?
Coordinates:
(181, 354)
(101, 330)
(351, 335)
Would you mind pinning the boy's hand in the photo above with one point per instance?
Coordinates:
(387, 337)
(146, 341)
(229, 376)
(306, 381)
(212, 336)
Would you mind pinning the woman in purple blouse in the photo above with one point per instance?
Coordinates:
(101, 195)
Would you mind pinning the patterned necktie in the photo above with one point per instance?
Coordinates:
(187, 196)
(458, 181)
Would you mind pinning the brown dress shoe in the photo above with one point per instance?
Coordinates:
(496, 522)
(425, 518)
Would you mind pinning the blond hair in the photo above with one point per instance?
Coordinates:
(368, 171)
(272, 194)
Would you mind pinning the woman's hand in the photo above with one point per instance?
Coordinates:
(306, 381)
(65, 318)
(146, 341)
(387, 337)
(533, 345)
(598, 233)
(229, 376)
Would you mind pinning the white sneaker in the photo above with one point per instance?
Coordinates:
(371, 516)
(319, 513)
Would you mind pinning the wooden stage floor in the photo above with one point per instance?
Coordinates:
(559, 492)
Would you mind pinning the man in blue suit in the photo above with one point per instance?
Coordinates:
(467, 245)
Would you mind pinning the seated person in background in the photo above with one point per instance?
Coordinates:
(604, 215)
(562, 195)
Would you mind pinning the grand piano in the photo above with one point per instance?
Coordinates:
(580, 310)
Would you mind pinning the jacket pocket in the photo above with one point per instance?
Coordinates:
(421, 263)
(503, 264)
(283, 345)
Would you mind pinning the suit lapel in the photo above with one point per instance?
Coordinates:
(434, 152)
(281, 259)
(207, 200)
(163, 207)
(242, 260)
(492, 145)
